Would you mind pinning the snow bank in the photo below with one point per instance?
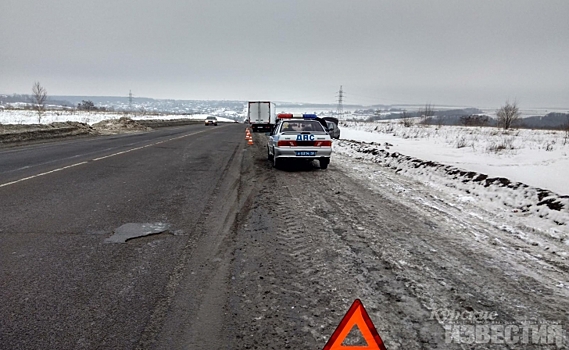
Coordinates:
(493, 193)
(538, 158)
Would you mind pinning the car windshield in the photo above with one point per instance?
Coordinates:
(301, 125)
(211, 118)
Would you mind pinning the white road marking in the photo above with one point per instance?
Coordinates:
(41, 174)
(99, 158)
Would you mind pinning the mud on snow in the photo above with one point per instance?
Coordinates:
(314, 240)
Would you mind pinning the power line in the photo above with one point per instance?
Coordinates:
(340, 108)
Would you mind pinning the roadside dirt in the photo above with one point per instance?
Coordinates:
(314, 240)
(18, 133)
(14, 133)
(121, 125)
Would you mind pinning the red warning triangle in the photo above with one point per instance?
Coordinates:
(356, 316)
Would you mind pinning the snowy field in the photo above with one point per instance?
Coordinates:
(538, 158)
(31, 117)
(519, 176)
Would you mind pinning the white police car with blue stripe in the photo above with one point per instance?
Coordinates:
(299, 137)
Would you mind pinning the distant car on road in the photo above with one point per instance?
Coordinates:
(299, 138)
(211, 121)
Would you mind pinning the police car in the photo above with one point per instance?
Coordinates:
(299, 137)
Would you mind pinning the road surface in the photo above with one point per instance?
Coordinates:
(253, 257)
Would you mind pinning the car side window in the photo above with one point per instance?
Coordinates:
(275, 129)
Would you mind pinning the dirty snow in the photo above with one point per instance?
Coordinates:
(524, 185)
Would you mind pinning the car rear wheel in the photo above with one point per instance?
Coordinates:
(324, 163)
(269, 155)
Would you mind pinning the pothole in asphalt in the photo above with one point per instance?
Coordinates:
(135, 230)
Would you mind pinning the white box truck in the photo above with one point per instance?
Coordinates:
(261, 116)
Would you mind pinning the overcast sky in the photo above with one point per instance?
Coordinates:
(456, 52)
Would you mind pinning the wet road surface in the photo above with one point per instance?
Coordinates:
(239, 255)
(63, 285)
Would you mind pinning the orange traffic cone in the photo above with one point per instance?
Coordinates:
(250, 142)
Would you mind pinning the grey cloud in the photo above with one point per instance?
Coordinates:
(441, 51)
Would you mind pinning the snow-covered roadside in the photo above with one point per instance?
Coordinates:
(538, 158)
(511, 204)
(51, 116)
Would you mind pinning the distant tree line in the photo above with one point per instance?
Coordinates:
(428, 115)
(508, 116)
(22, 98)
(15, 98)
(474, 120)
(87, 105)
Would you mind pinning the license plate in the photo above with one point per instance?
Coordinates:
(305, 153)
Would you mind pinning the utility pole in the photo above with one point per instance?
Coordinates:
(340, 108)
(130, 100)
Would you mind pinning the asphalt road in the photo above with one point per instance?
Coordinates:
(255, 257)
(62, 285)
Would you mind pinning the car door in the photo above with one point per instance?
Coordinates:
(273, 138)
(330, 128)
